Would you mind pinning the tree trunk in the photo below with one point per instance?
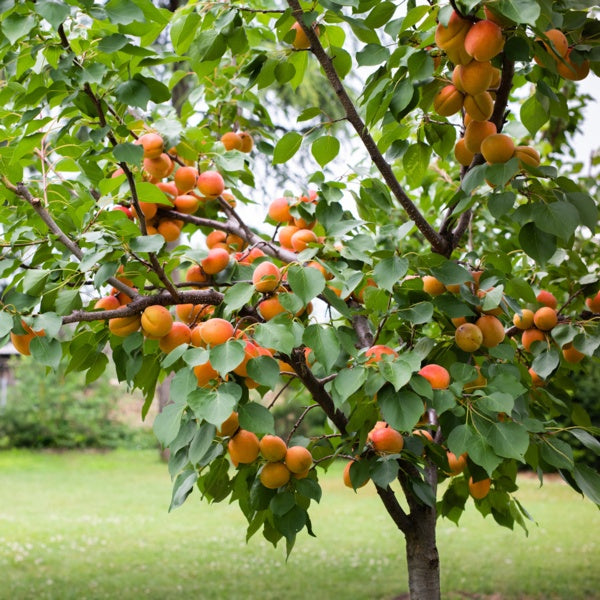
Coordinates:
(422, 555)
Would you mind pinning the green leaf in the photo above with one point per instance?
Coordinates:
(349, 381)
(482, 454)
(147, 243)
(238, 295)
(534, 114)
(500, 204)
(588, 440)
(539, 245)
(588, 481)
(279, 336)
(557, 218)
(113, 43)
(372, 54)
(201, 442)
(15, 26)
(459, 439)
(214, 405)
(123, 12)
(325, 149)
(167, 423)
(401, 410)
(556, 453)
(418, 313)
(397, 372)
(389, 271)
(183, 486)
(264, 370)
(519, 11)
(416, 162)
(67, 301)
(384, 472)
(509, 439)
(226, 357)
(323, 341)
(6, 324)
(255, 417)
(546, 362)
(309, 488)
(133, 93)
(54, 12)
(286, 147)
(449, 273)
(46, 351)
(148, 192)
(306, 282)
(497, 402)
(129, 153)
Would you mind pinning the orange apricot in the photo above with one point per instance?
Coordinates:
(231, 140)
(279, 210)
(593, 303)
(448, 101)
(247, 141)
(273, 448)
(468, 337)
(438, 376)
(484, 40)
(480, 106)
(574, 71)
(210, 184)
(266, 277)
(301, 41)
(187, 204)
(536, 380)
(476, 132)
(374, 353)
(216, 331)
(107, 303)
(545, 318)
(159, 167)
(185, 179)
(270, 308)
(479, 489)
(462, 154)
(124, 326)
(527, 156)
(556, 44)
(229, 426)
(451, 38)
(298, 459)
(386, 440)
(251, 350)
(243, 447)
(274, 474)
(474, 78)
(432, 285)
(492, 330)
(497, 148)
(169, 229)
(216, 261)
(571, 354)
(529, 336)
(457, 464)
(205, 373)
(152, 143)
(524, 320)
(180, 334)
(302, 238)
(22, 341)
(547, 299)
(156, 321)
(285, 236)
(346, 475)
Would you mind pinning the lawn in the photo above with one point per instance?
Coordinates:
(85, 525)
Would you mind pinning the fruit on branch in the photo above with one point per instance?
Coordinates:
(448, 101)
(462, 154)
(527, 156)
(205, 374)
(536, 380)
(497, 148)
(156, 321)
(152, 143)
(375, 353)
(231, 140)
(530, 336)
(285, 236)
(346, 476)
(216, 239)
(451, 38)
(468, 337)
(251, 350)
(571, 354)
(500, 20)
(484, 40)
(211, 184)
(159, 167)
(124, 326)
(438, 376)
(479, 489)
(301, 41)
(247, 141)
(186, 204)
(298, 459)
(185, 179)
(492, 329)
(386, 440)
(574, 71)
(273, 448)
(524, 320)
(169, 229)
(457, 464)
(476, 132)
(423, 433)
(180, 334)
(235, 242)
(243, 447)
(266, 277)
(556, 44)
(593, 303)
(480, 106)
(475, 384)
(148, 209)
(229, 426)
(547, 299)
(432, 285)
(216, 331)
(107, 303)
(22, 341)
(545, 318)
(124, 209)
(216, 261)
(279, 210)
(274, 474)
(302, 238)
(474, 78)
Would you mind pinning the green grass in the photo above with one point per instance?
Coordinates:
(80, 525)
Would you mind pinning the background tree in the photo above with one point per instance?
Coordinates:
(453, 271)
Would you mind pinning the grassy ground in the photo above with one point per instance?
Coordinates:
(82, 526)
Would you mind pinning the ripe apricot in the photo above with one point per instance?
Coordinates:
(547, 299)
(235, 242)
(572, 70)
(593, 303)
(479, 489)
(149, 209)
(451, 38)
(524, 320)
(169, 229)
(536, 380)
(243, 447)
(484, 40)
(527, 156)
(302, 238)
(301, 41)
(492, 330)
(571, 354)
(185, 179)
(298, 459)
(386, 440)
(159, 167)
(156, 321)
(180, 334)
(532, 335)
(374, 353)
(462, 154)
(285, 236)
(22, 341)
(346, 475)
(187, 204)
(124, 326)
(497, 148)
(210, 184)
(216, 261)
(545, 318)
(474, 78)
(266, 277)
(438, 376)
(448, 101)
(216, 331)
(457, 464)
(270, 308)
(468, 337)
(231, 140)
(480, 106)
(476, 132)
(556, 44)
(279, 210)
(107, 303)
(229, 426)
(274, 474)
(205, 373)
(247, 141)
(424, 434)
(273, 448)
(251, 350)
(152, 143)
(432, 285)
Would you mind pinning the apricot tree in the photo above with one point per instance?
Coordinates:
(449, 252)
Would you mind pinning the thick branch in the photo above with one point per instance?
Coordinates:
(438, 243)
(393, 508)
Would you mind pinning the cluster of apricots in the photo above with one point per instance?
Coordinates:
(281, 462)
(296, 232)
(471, 47)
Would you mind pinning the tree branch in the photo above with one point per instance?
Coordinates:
(393, 508)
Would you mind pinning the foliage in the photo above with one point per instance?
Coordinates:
(389, 251)
(54, 410)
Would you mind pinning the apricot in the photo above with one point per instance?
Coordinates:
(216, 331)
(545, 318)
(216, 261)
(424, 434)
(497, 148)
(468, 337)
(298, 459)
(536, 380)
(124, 326)
(496, 78)
(107, 303)
(249, 257)
(247, 141)
(270, 308)
(279, 210)
(451, 38)
(557, 44)
(524, 320)
(274, 474)
(301, 41)
(229, 426)
(285, 236)
(475, 384)
(152, 143)
(448, 101)
(169, 229)
(302, 238)
(432, 285)
(169, 189)
(187, 204)
(593, 303)
(457, 464)
(156, 321)
(231, 140)
(266, 277)
(386, 440)
(480, 106)
(479, 489)
(235, 242)
(251, 350)
(159, 167)
(476, 132)
(210, 184)
(438, 376)
(22, 341)
(124, 209)
(527, 156)
(571, 70)
(492, 330)
(346, 475)
(457, 321)
(273, 448)
(205, 373)
(474, 78)
(185, 179)
(532, 335)
(180, 334)
(243, 447)
(484, 40)
(149, 209)
(374, 353)
(462, 154)
(547, 299)
(571, 354)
